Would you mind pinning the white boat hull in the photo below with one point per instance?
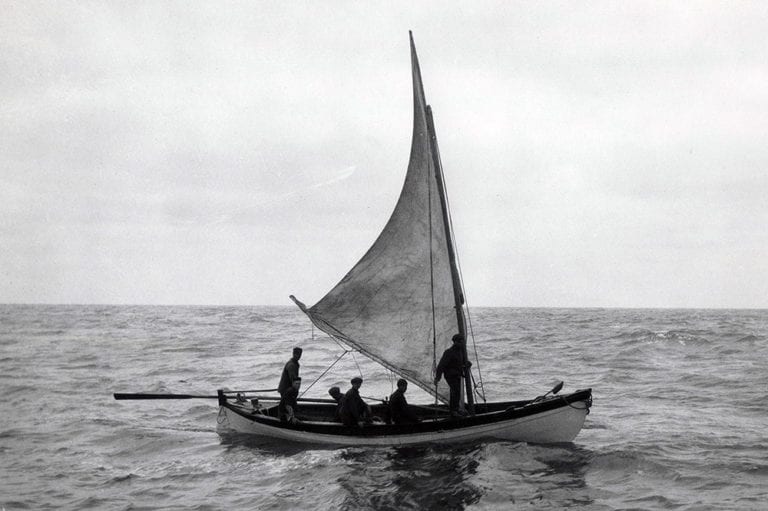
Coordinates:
(560, 424)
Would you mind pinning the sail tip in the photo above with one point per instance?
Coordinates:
(298, 303)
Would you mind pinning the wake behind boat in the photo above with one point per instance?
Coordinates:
(400, 305)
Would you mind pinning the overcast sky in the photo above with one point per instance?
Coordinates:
(596, 154)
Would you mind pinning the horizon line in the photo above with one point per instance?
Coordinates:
(608, 307)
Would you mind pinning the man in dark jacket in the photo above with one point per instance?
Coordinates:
(399, 410)
(353, 409)
(451, 367)
(290, 372)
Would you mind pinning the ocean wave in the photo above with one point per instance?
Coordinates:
(121, 479)
(666, 336)
(626, 464)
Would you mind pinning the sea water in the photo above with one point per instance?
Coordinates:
(679, 421)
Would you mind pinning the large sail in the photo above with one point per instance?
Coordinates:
(397, 304)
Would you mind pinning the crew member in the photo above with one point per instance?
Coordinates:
(400, 411)
(290, 372)
(451, 367)
(354, 411)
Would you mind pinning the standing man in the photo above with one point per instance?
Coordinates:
(451, 367)
(290, 372)
(399, 410)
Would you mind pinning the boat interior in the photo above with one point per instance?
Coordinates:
(325, 412)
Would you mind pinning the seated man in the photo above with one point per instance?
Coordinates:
(337, 396)
(399, 410)
(354, 411)
(287, 407)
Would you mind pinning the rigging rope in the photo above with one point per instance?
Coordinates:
(474, 347)
(587, 404)
(391, 377)
(326, 371)
(432, 282)
(358, 365)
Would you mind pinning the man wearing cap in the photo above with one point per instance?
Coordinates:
(353, 408)
(290, 372)
(399, 410)
(451, 367)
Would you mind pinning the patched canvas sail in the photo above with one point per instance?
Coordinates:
(397, 304)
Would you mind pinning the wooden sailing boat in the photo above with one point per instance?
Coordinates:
(400, 305)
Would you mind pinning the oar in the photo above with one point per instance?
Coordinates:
(557, 388)
(198, 396)
(186, 396)
(163, 396)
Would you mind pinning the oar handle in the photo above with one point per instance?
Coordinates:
(248, 391)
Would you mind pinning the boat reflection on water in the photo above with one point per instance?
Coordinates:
(438, 477)
(459, 477)
(424, 477)
(544, 476)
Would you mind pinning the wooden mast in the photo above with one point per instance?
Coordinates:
(458, 294)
